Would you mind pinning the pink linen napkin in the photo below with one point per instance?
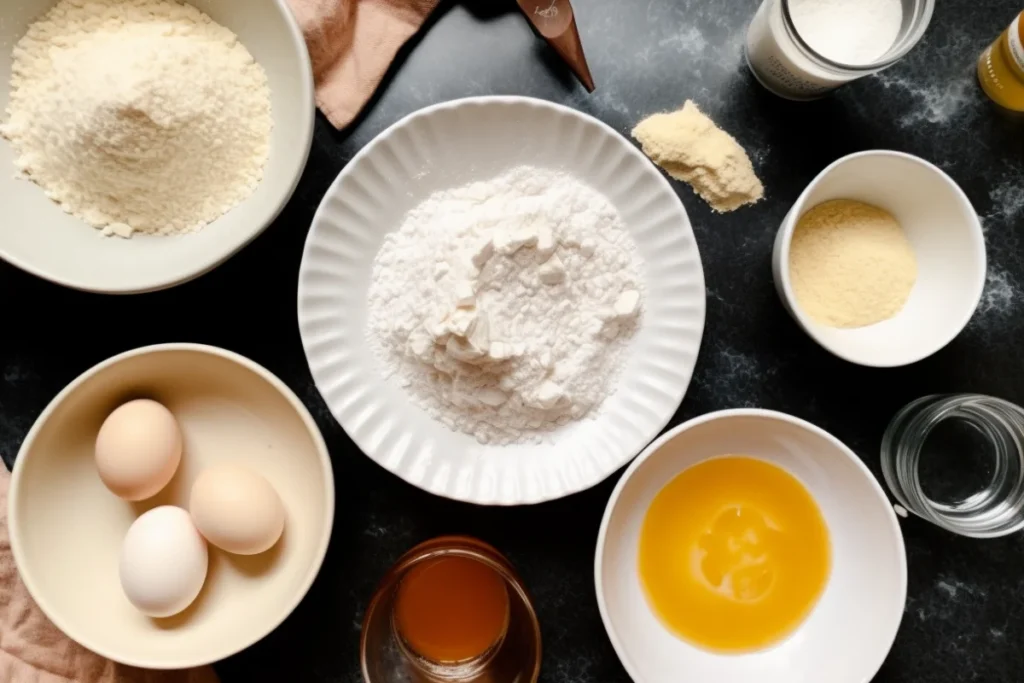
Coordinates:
(33, 650)
(351, 44)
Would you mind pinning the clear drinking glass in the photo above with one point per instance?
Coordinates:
(783, 61)
(958, 461)
(514, 658)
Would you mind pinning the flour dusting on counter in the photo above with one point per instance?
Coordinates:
(505, 306)
(999, 298)
(1007, 198)
(934, 102)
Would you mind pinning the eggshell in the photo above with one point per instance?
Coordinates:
(163, 561)
(236, 509)
(138, 449)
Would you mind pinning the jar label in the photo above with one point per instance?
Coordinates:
(1016, 44)
(777, 63)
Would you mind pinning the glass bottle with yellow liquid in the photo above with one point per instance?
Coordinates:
(1001, 67)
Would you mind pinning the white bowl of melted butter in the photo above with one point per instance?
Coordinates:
(748, 545)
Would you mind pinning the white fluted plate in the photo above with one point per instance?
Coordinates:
(450, 145)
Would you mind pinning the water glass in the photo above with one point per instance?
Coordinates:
(957, 460)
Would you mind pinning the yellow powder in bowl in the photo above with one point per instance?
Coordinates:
(850, 264)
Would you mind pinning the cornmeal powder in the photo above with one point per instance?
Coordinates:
(691, 148)
(850, 264)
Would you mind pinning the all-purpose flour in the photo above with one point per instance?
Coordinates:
(505, 306)
(138, 115)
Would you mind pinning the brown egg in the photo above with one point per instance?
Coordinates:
(138, 449)
(236, 509)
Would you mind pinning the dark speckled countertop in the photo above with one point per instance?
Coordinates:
(964, 617)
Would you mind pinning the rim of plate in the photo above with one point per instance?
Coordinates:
(417, 477)
(216, 258)
(655, 446)
(183, 662)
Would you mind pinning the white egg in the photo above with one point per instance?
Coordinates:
(163, 561)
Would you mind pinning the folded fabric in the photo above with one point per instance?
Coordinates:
(33, 650)
(351, 44)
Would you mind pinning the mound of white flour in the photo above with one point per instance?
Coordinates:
(505, 306)
(138, 115)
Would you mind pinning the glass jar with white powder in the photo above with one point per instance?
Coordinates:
(802, 49)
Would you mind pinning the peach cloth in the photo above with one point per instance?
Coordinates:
(32, 650)
(351, 44)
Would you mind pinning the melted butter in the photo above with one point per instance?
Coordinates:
(734, 554)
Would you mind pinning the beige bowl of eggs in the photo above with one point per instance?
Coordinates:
(171, 506)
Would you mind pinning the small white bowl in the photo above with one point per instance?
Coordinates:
(38, 237)
(946, 236)
(849, 632)
(66, 528)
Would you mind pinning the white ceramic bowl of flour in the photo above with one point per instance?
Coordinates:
(945, 233)
(449, 146)
(37, 236)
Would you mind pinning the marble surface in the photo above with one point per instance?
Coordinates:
(964, 617)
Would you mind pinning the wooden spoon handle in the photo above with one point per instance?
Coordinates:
(556, 23)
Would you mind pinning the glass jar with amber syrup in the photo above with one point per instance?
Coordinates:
(1001, 67)
(451, 610)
